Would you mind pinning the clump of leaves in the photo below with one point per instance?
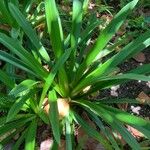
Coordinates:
(66, 83)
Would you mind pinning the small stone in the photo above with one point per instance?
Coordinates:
(114, 89)
(140, 57)
(148, 84)
(46, 144)
(136, 109)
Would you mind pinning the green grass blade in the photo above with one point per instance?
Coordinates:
(16, 107)
(135, 46)
(114, 79)
(68, 134)
(91, 131)
(106, 35)
(85, 5)
(104, 130)
(111, 119)
(54, 27)
(117, 101)
(126, 135)
(5, 78)
(144, 69)
(57, 41)
(76, 29)
(31, 136)
(51, 76)
(127, 118)
(16, 62)
(6, 15)
(53, 115)
(25, 25)
(24, 86)
(76, 22)
(110, 31)
(14, 125)
(23, 54)
(20, 140)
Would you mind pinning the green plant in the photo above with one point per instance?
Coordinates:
(72, 75)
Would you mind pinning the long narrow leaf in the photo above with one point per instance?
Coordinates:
(112, 121)
(16, 62)
(14, 125)
(28, 30)
(17, 106)
(93, 80)
(75, 33)
(56, 37)
(23, 87)
(53, 73)
(31, 136)
(106, 35)
(54, 27)
(68, 135)
(6, 79)
(23, 54)
(53, 115)
(92, 132)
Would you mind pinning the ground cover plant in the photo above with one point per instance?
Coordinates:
(52, 85)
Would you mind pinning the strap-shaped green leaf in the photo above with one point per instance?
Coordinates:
(24, 55)
(94, 80)
(117, 101)
(54, 27)
(25, 25)
(75, 33)
(107, 116)
(128, 51)
(57, 41)
(23, 87)
(76, 22)
(91, 131)
(31, 136)
(5, 78)
(16, 107)
(126, 135)
(68, 134)
(104, 130)
(53, 115)
(20, 140)
(85, 5)
(51, 76)
(106, 35)
(110, 31)
(6, 15)
(16, 62)
(144, 69)
(127, 118)
(14, 124)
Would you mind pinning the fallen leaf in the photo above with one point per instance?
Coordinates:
(134, 132)
(140, 57)
(143, 98)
